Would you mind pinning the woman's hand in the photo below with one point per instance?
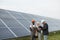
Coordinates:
(39, 28)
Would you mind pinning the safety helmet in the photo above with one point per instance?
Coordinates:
(33, 20)
(42, 21)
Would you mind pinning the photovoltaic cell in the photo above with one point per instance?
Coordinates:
(25, 20)
(5, 33)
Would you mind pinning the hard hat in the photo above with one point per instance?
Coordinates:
(33, 20)
(42, 21)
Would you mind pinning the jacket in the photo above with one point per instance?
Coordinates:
(45, 29)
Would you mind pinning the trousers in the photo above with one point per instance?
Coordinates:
(39, 36)
(45, 37)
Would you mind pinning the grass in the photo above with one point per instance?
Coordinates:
(52, 36)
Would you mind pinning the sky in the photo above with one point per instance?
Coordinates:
(47, 8)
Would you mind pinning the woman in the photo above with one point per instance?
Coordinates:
(39, 30)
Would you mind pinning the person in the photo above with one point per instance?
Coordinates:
(45, 29)
(39, 30)
(33, 30)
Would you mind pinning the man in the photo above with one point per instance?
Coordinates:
(39, 30)
(45, 29)
(33, 30)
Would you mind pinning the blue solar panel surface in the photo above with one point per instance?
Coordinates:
(16, 24)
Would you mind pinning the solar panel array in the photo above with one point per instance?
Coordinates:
(16, 24)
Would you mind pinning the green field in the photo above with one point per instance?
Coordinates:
(52, 36)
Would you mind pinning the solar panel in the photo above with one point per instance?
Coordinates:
(27, 16)
(13, 25)
(21, 19)
(5, 33)
(16, 24)
(20, 31)
(2, 25)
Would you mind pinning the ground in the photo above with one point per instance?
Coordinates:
(52, 36)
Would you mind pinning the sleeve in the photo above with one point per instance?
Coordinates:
(30, 28)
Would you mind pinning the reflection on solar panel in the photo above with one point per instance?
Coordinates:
(16, 24)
